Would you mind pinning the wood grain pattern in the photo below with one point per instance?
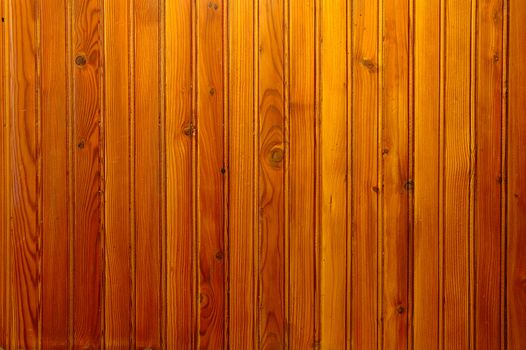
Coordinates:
(88, 260)
(457, 174)
(333, 174)
(54, 146)
(242, 189)
(396, 181)
(516, 218)
(365, 187)
(147, 175)
(210, 169)
(302, 174)
(271, 159)
(488, 175)
(24, 153)
(426, 172)
(181, 301)
(325, 174)
(4, 181)
(117, 200)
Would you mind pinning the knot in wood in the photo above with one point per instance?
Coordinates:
(276, 155)
(80, 60)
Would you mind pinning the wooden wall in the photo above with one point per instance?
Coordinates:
(265, 174)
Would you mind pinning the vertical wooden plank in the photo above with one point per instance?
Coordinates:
(271, 176)
(302, 170)
(24, 174)
(457, 172)
(210, 168)
(88, 257)
(365, 187)
(516, 263)
(241, 172)
(426, 171)
(55, 120)
(488, 183)
(179, 132)
(4, 181)
(333, 174)
(147, 175)
(395, 153)
(117, 218)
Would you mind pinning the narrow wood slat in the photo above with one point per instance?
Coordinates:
(426, 174)
(364, 175)
(86, 117)
(24, 175)
(302, 174)
(180, 228)
(488, 172)
(457, 174)
(210, 165)
(397, 185)
(271, 159)
(516, 193)
(55, 121)
(117, 218)
(333, 175)
(147, 170)
(4, 181)
(241, 172)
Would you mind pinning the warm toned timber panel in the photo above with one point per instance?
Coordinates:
(54, 146)
(262, 174)
(117, 204)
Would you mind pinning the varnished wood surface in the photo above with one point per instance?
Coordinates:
(264, 174)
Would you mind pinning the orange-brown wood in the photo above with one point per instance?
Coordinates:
(333, 175)
(489, 181)
(180, 274)
(4, 182)
(516, 166)
(302, 174)
(364, 175)
(24, 115)
(271, 160)
(147, 174)
(243, 209)
(87, 185)
(262, 174)
(117, 195)
(210, 172)
(396, 182)
(425, 257)
(457, 174)
(54, 146)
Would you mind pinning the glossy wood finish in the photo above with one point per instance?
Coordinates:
(264, 174)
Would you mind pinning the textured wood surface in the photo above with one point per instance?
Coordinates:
(211, 169)
(86, 180)
(181, 298)
(427, 151)
(25, 187)
(302, 166)
(117, 197)
(242, 172)
(271, 162)
(147, 174)
(54, 166)
(333, 173)
(394, 152)
(516, 190)
(365, 188)
(262, 174)
(489, 119)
